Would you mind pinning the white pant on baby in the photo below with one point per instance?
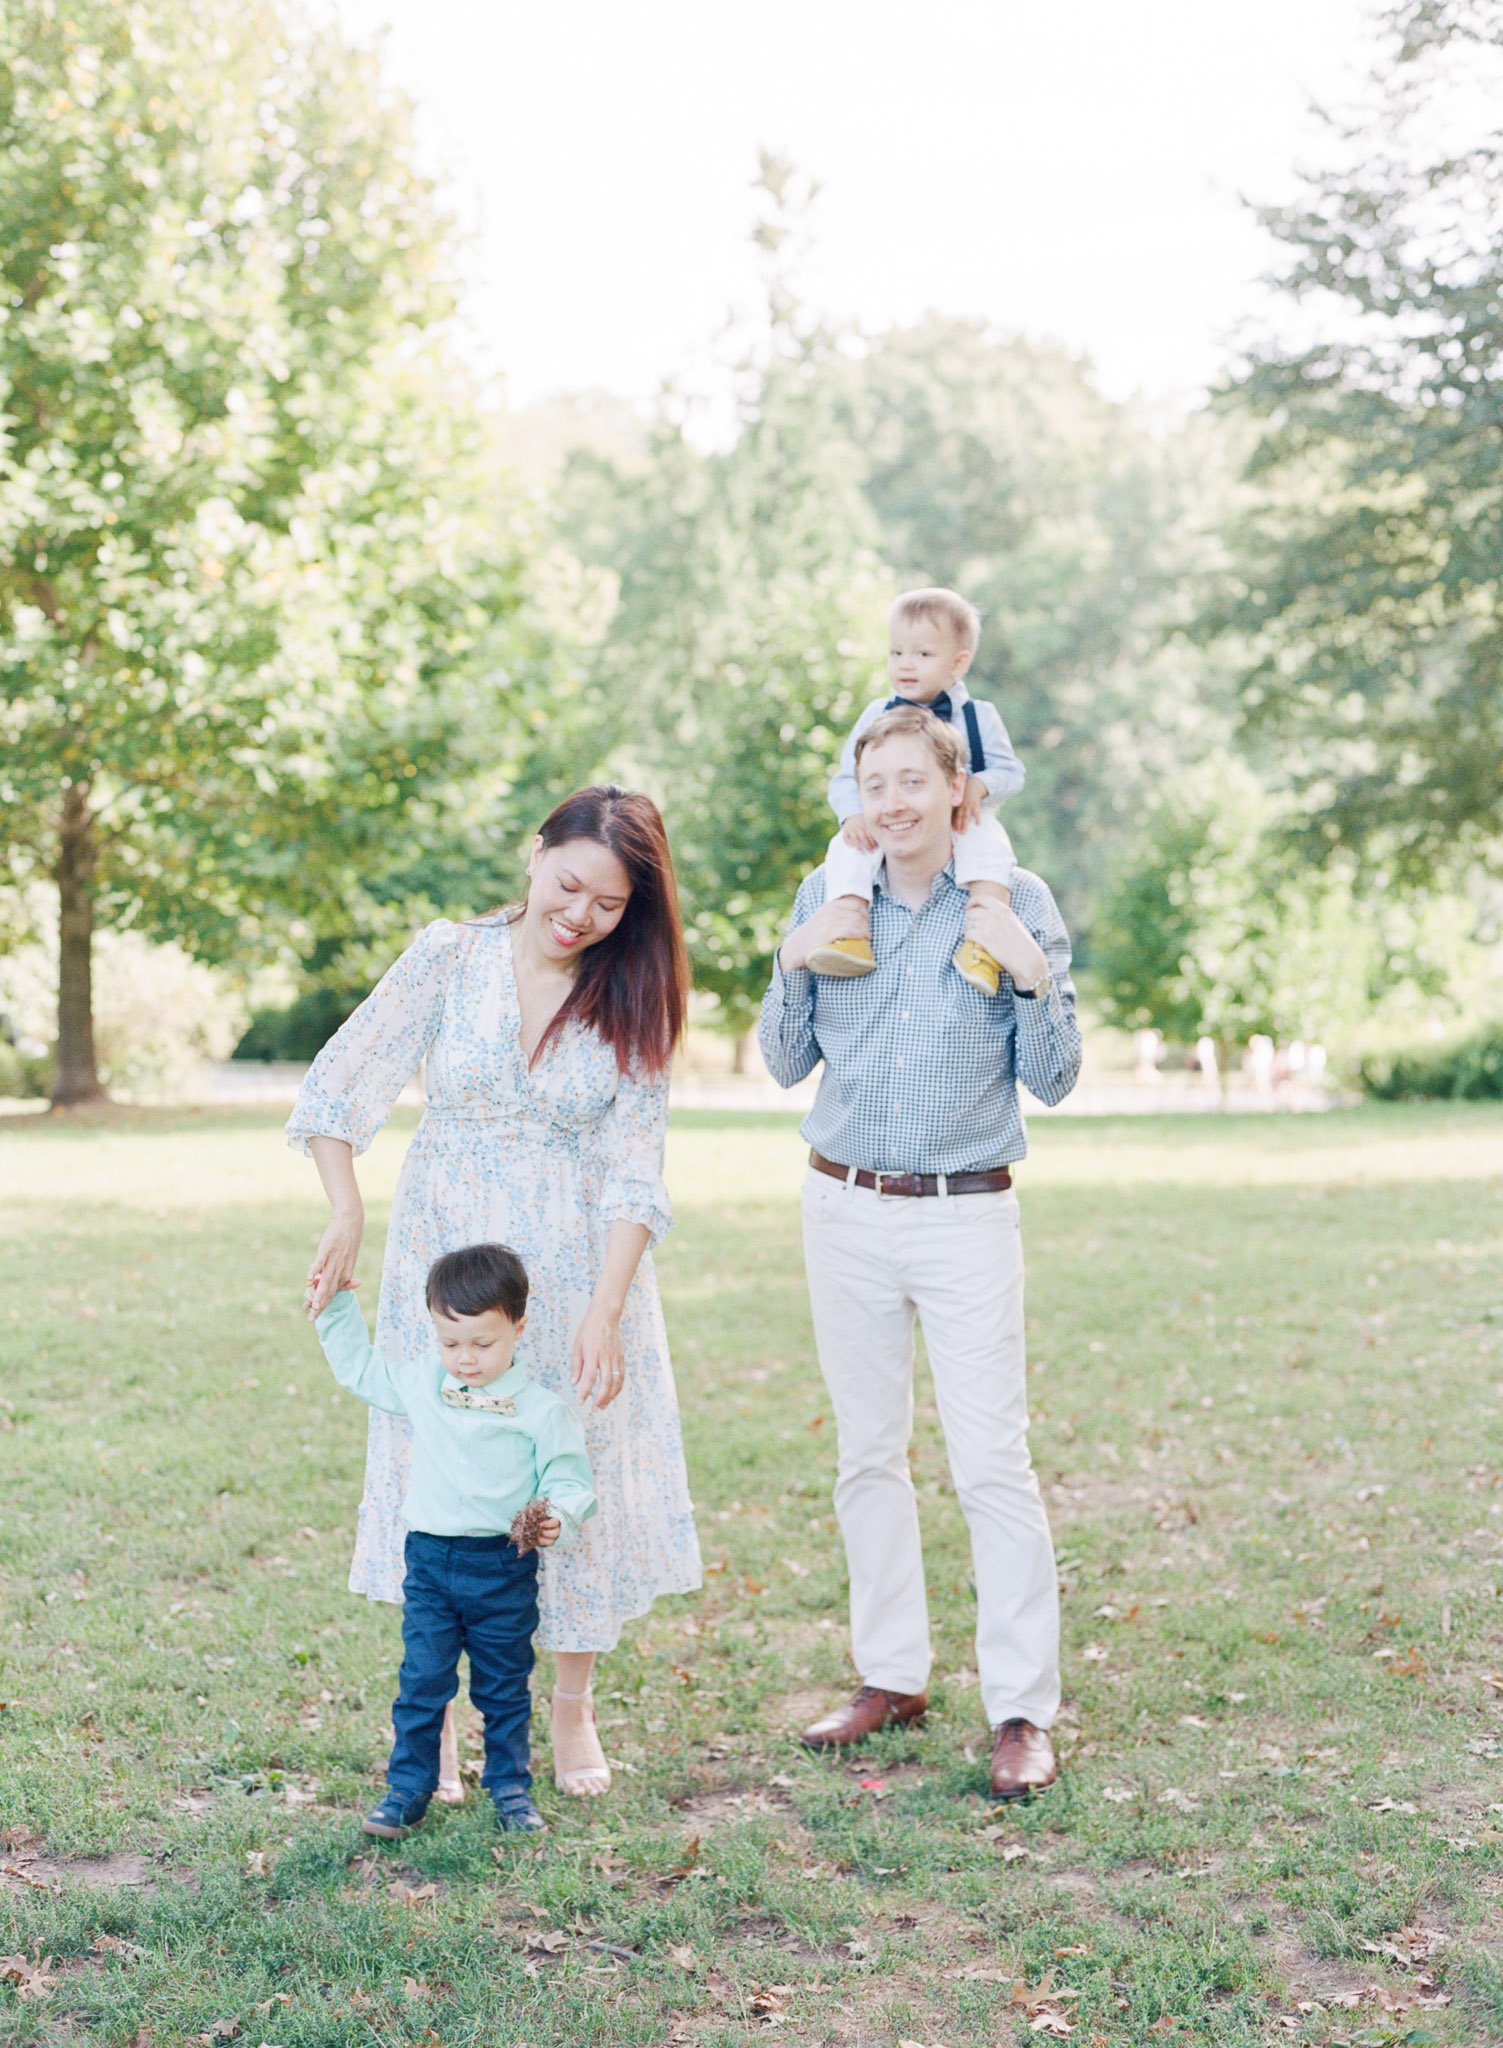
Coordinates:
(983, 853)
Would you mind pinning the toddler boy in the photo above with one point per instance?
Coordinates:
(486, 1444)
(933, 636)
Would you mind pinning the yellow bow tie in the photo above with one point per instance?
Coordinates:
(481, 1398)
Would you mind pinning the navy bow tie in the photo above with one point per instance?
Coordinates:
(940, 706)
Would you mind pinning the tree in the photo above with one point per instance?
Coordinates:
(255, 567)
(1217, 927)
(1367, 584)
(995, 465)
(747, 631)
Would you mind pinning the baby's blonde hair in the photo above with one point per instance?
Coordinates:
(947, 607)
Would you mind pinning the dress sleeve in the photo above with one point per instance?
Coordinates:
(349, 1090)
(632, 1134)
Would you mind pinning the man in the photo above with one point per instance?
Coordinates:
(908, 1210)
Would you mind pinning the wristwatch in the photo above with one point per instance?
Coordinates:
(1040, 988)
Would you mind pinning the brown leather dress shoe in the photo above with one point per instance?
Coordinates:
(871, 1708)
(1022, 1760)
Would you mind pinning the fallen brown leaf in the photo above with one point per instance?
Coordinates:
(412, 1894)
(31, 1979)
(1045, 1992)
(682, 1954)
(115, 1944)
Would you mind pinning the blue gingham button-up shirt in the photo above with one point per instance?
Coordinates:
(920, 1069)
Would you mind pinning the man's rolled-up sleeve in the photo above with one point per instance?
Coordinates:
(1048, 1031)
(786, 1029)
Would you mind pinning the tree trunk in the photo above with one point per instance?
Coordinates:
(77, 1076)
(738, 1051)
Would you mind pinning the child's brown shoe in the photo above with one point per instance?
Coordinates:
(974, 964)
(845, 958)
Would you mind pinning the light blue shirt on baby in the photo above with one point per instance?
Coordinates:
(478, 1453)
(1002, 773)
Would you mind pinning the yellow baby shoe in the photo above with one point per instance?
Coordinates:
(974, 964)
(845, 958)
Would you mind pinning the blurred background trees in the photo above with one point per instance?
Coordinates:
(301, 631)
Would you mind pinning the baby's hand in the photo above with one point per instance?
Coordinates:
(856, 832)
(968, 810)
(535, 1526)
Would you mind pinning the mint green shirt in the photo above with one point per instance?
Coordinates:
(478, 1453)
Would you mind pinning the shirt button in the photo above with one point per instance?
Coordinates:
(900, 1059)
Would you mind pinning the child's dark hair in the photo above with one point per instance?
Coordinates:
(477, 1278)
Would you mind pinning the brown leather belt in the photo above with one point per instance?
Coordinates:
(991, 1182)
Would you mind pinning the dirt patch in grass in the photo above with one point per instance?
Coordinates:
(1323, 1978)
(798, 1709)
(25, 1870)
(706, 1810)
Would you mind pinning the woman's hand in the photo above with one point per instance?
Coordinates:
(597, 1364)
(334, 1262)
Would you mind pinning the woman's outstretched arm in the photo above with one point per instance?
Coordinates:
(333, 1264)
(598, 1363)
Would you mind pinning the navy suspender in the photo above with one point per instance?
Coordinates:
(973, 734)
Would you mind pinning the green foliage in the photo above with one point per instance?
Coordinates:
(995, 465)
(1469, 1069)
(747, 631)
(1214, 927)
(300, 1029)
(1366, 585)
(252, 555)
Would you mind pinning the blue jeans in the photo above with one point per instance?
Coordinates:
(471, 1594)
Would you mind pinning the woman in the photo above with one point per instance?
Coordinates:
(548, 1030)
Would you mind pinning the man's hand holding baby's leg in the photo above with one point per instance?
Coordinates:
(848, 879)
(850, 956)
(973, 963)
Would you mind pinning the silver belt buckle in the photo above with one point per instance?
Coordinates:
(877, 1180)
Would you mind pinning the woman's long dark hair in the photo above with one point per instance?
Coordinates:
(632, 988)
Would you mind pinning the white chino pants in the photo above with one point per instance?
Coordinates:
(956, 1261)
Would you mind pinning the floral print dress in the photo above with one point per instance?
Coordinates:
(543, 1160)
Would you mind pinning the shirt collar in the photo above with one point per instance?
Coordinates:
(510, 1384)
(946, 874)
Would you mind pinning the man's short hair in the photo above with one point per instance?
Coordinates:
(947, 607)
(477, 1278)
(944, 741)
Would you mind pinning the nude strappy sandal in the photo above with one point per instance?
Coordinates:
(584, 1781)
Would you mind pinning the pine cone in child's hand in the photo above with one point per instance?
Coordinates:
(527, 1524)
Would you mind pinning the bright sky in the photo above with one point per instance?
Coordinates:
(1073, 171)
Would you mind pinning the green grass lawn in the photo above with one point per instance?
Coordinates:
(1268, 1372)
